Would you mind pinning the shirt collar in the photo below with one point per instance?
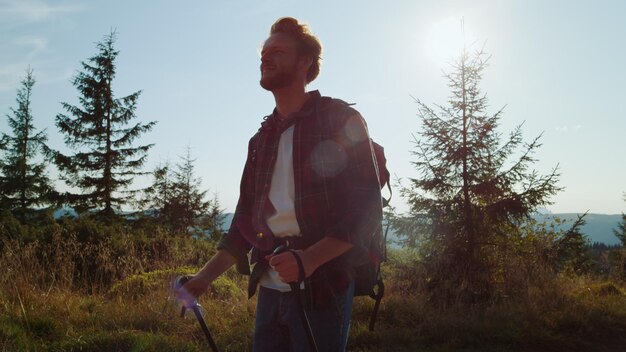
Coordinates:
(273, 121)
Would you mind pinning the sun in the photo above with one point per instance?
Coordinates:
(446, 38)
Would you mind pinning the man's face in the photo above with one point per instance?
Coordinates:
(280, 62)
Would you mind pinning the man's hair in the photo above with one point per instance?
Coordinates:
(307, 44)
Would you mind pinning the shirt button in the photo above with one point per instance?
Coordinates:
(260, 235)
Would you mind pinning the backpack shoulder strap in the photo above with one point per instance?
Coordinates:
(384, 175)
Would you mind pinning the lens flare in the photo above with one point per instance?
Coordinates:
(328, 158)
(354, 130)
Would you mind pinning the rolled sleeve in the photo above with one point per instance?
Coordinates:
(234, 244)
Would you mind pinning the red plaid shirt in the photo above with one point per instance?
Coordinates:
(337, 193)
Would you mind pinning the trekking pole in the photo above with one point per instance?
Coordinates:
(377, 296)
(295, 288)
(195, 307)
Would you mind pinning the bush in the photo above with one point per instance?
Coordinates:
(136, 286)
(92, 256)
(601, 289)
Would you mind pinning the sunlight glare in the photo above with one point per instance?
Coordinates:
(445, 39)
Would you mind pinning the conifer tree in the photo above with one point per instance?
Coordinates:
(176, 200)
(24, 183)
(572, 249)
(472, 185)
(101, 132)
(156, 197)
(620, 232)
(188, 200)
(619, 255)
(212, 221)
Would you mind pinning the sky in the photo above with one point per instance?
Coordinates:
(556, 66)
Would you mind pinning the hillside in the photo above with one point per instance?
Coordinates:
(599, 227)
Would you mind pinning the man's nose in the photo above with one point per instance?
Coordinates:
(267, 57)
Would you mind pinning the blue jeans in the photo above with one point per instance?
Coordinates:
(278, 326)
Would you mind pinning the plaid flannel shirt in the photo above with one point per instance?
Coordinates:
(337, 192)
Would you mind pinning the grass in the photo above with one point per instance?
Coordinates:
(50, 303)
(147, 320)
(583, 319)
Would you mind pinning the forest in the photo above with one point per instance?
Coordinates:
(473, 271)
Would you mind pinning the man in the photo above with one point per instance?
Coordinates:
(310, 182)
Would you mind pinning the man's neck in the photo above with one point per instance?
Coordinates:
(289, 100)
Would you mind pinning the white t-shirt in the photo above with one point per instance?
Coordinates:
(283, 223)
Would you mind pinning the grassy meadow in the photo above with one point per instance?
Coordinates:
(81, 286)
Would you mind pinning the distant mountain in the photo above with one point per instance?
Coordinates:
(228, 218)
(599, 227)
(65, 212)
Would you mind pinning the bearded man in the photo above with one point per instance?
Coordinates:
(310, 184)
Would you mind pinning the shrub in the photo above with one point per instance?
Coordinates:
(92, 256)
(139, 285)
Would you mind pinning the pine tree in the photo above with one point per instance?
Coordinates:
(156, 197)
(620, 232)
(188, 200)
(176, 200)
(24, 183)
(212, 222)
(470, 188)
(619, 255)
(100, 132)
(572, 246)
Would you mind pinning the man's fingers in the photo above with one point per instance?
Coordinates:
(288, 277)
(281, 258)
(283, 262)
(193, 287)
(286, 266)
(191, 290)
(286, 271)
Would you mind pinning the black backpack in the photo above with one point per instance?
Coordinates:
(367, 279)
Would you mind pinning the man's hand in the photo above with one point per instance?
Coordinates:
(199, 283)
(191, 290)
(287, 267)
(196, 286)
(312, 258)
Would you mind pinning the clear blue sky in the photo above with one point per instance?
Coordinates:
(558, 66)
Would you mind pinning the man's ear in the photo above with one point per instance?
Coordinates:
(304, 63)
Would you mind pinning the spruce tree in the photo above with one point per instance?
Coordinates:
(471, 188)
(619, 255)
(175, 199)
(212, 222)
(156, 197)
(24, 183)
(573, 254)
(101, 132)
(188, 200)
(620, 231)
